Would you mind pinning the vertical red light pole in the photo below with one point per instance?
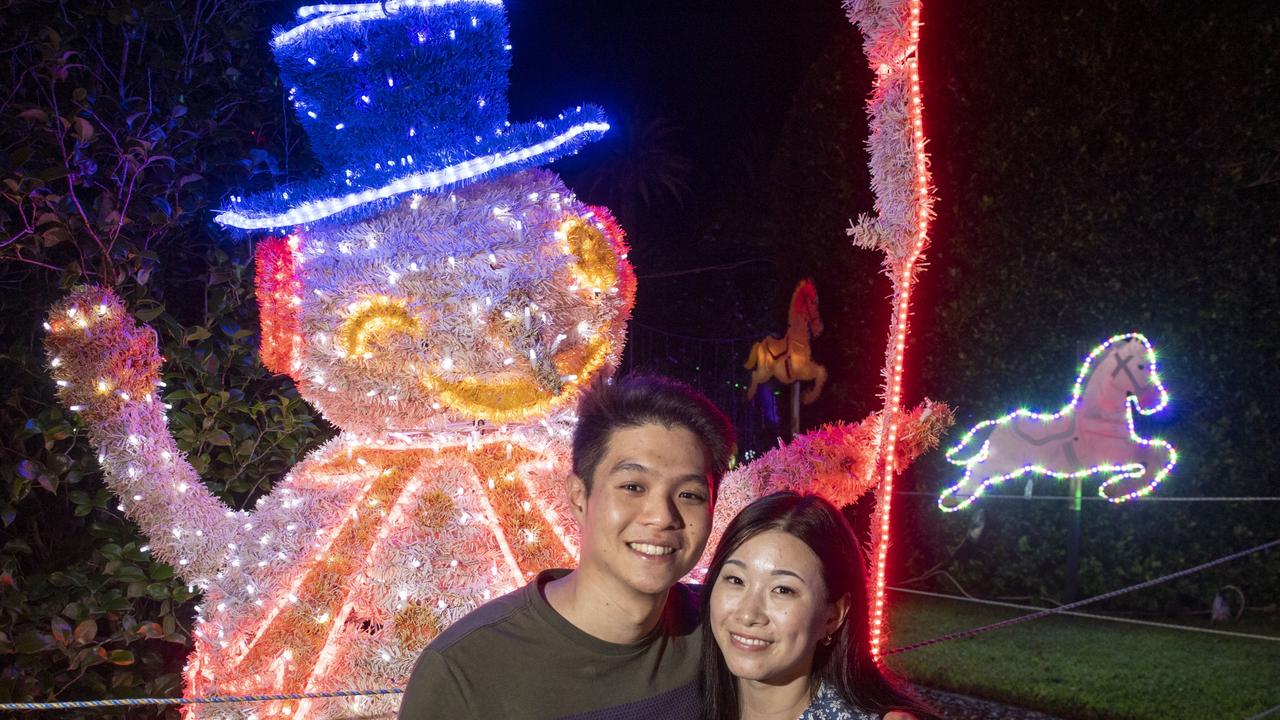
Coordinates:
(903, 203)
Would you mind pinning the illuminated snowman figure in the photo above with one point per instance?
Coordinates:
(446, 327)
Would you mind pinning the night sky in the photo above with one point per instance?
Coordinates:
(723, 72)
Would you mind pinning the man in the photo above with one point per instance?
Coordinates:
(616, 637)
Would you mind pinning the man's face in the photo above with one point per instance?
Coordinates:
(648, 514)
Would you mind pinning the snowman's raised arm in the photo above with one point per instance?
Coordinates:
(107, 369)
(831, 461)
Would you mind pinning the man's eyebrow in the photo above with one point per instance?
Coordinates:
(628, 464)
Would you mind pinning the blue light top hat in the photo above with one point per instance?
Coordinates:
(400, 97)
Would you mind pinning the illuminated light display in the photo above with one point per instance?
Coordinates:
(320, 209)
(372, 319)
(402, 97)
(384, 536)
(790, 358)
(519, 397)
(419, 510)
(277, 289)
(397, 310)
(832, 461)
(445, 332)
(334, 14)
(1093, 434)
(595, 267)
(900, 229)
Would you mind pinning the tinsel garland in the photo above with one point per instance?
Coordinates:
(831, 461)
(900, 181)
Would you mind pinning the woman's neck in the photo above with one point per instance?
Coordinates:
(767, 701)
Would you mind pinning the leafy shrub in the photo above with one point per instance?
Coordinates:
(121, 125)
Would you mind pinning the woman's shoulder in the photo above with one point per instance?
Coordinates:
(828, 705)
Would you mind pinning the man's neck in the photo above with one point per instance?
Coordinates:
(603, 610)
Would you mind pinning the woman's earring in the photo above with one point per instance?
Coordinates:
(827, 640)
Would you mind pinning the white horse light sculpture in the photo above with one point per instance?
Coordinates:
(1094, 432)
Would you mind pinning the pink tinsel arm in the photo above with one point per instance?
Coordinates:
(107, 369)
(830, 461)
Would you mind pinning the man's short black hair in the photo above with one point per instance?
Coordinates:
(638, 400)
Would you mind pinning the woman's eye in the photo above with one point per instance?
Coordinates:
(784, 590)
(731, 579)
(696, 497)
(632, 487)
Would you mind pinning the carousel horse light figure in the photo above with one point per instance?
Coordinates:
(789, 358)
(1092, 434)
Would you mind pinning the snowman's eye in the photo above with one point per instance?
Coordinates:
(373, 318)
(595, 263)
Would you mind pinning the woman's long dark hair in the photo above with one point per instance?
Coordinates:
(845, 665)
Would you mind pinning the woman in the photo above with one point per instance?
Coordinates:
(784, 620)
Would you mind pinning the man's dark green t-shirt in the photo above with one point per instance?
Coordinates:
(516, 657)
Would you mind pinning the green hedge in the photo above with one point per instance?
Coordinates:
(122, 125)
(1100, 168)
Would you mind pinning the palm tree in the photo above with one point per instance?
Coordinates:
(639, 168)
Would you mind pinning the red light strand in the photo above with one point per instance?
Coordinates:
(896, 363)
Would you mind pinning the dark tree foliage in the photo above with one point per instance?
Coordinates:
(121, 125)
(1100, 168)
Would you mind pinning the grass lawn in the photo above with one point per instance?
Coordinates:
(1084, 669)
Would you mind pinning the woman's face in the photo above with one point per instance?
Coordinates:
(769, 609)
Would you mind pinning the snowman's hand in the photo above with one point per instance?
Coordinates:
(920, 431)
(107, 369)
(834, 461)
(828, 461)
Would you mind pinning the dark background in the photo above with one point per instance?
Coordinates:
(1100, 167)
